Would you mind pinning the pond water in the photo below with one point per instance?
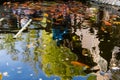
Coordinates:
(18, 60)
(21, 59)
(34, 55)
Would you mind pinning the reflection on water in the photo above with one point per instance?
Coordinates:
(35, 56)
(18, 60)
(21, 58)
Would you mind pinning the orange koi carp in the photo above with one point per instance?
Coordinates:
(76, 63)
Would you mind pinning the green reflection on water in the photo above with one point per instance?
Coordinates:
(57, 60)
(9, 45)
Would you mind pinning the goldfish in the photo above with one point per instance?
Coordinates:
(107, 23)
(45, 15)
(76, 63)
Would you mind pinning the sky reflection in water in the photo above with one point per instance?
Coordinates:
(20, 70)
(17, 70)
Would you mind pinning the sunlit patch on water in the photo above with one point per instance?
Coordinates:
(19, 72)
(40, 79)
(31, 74)
(19, 68)
(5, 74)
(55, 79)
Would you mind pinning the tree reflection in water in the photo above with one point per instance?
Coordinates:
(30, 53)
(9, 45)
(57, 60)
(42, 52)
(23, 48)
